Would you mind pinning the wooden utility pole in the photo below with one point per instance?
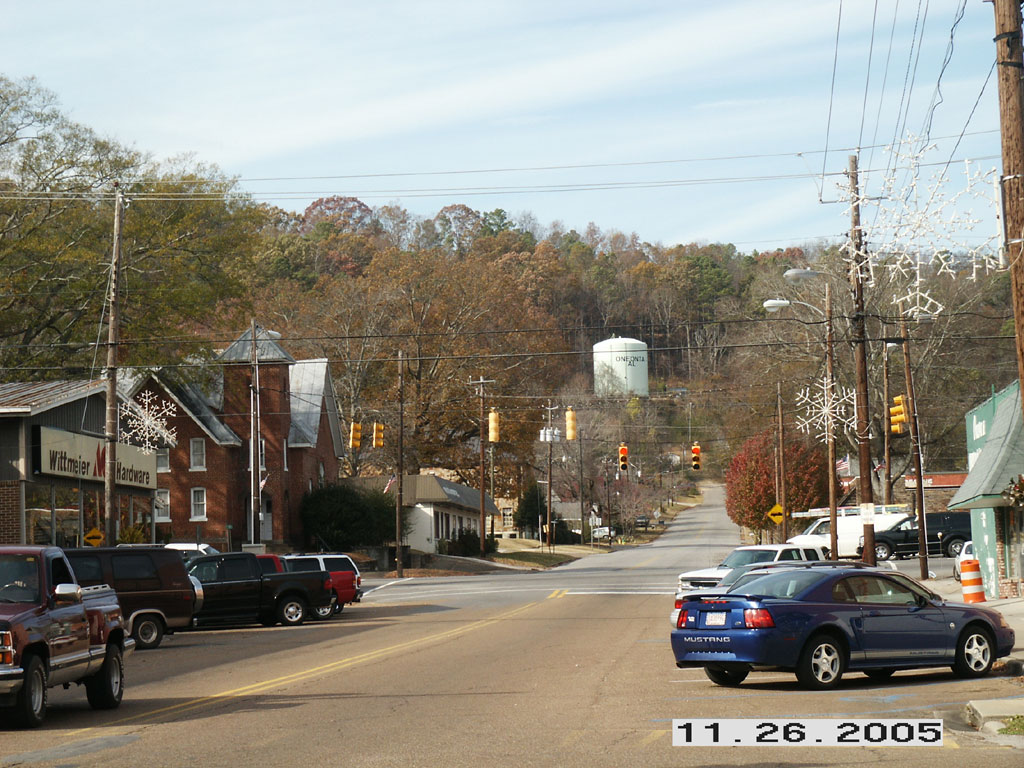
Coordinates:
(483, 478)
(1010, 66)
(833, 522)
(782, 465)
(113, 327)
(865, 494)
(915, 443)
(401, 465)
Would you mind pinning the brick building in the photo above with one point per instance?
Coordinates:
(205, 486)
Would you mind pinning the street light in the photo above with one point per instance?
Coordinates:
(774, 305)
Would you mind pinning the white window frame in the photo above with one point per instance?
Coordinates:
(286, 454)
(193, 505)
(263, 453)
(163, 459)
(192, 445)
(162, 505)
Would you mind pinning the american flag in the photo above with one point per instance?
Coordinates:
(390, 483)
(843, 465)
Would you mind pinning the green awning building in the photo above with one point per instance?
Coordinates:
(995, 451)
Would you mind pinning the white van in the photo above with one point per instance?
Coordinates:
(849, 529)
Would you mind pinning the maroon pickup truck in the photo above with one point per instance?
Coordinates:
(54, 632)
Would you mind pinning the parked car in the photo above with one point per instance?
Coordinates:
(947, 532)
(822, 622)
(156, 594)
(755, 553)
(849, 530)
(966, 553)
(54, 632)
(236, 591)
(345, 577)
(602, 532)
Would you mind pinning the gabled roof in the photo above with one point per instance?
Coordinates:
(30, 398)
(430, 488)
(1000, 462)
(267, 348)
(311, 390)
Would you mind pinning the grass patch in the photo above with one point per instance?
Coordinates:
(1014, 726)
(532, 558)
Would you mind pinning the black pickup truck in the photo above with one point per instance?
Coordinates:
(236, 591)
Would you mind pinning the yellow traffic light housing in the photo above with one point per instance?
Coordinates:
(493, 426)
(695, 456)
(623, 457)
(378, 435)
(570, 424)
(898, 415)
(355, 433)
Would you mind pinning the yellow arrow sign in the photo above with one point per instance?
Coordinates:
(776, 513)
(94, 537)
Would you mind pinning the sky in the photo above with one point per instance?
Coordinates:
(681, 121)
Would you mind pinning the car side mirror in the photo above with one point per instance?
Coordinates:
(67, 594)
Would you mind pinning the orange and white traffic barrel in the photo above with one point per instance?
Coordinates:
(970, 580)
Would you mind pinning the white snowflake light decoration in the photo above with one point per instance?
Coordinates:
(918, 220)
(826, 409)
(145, 422)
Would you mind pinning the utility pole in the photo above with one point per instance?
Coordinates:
(782, 465)
(254, 437)
(483, 492)
(915, 442)
(886, 427)
(110, 470)
(865, 494)
(401, 465)
(830, 372)
(1010, 65)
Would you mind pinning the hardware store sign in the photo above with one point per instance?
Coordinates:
(68, 454)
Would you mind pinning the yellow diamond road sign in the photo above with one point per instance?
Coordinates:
(775, 514)
(94, 537)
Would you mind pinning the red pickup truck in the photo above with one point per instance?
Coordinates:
(54, 632)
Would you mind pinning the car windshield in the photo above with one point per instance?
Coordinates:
(19, 579)
(783, 583)
(819, 527)
(740, 557)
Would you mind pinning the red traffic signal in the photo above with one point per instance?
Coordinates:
(695, 456)
(623, 457)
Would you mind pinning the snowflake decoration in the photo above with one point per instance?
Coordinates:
(917, 220)
(826, 407)
(145, 422)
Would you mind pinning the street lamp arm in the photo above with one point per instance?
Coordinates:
(774, 305)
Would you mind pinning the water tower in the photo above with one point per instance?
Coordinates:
(620, 367)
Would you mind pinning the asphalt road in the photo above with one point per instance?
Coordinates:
(569, 667)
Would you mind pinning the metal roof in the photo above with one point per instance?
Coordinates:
(1000, 462)
(29, 398)
(310, 385)
(267, 348)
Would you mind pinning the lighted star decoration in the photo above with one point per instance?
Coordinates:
(144, 423)
(928, 218)
(826, 409)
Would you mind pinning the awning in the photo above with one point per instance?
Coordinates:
(1000, 462)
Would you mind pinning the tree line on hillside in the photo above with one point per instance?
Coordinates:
(461, 295)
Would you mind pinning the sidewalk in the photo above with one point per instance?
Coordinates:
(982, 711)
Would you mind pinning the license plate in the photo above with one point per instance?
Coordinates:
(714, 619)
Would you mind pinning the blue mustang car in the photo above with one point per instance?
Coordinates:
(822, 621)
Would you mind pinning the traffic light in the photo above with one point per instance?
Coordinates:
(378, 435)
(570, 424)
(623, 458)
(493, 426)
(897, 415)
(695, 456)
(355, 433)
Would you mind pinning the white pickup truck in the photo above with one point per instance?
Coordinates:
(756, 553)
